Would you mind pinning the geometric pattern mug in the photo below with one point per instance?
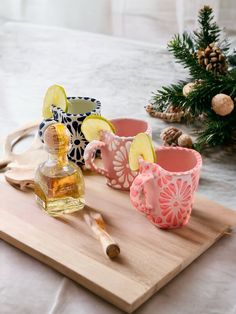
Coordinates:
(164, 191)
(78, 109)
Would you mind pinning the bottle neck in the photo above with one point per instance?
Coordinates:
(60, 160)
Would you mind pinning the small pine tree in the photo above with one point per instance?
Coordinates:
(193, 52)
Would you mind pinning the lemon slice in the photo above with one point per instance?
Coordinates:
(141, 147)
(93, 125)
(55, 95)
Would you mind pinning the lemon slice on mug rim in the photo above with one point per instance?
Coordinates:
(141, 146)
(93, 125)
(55, 95)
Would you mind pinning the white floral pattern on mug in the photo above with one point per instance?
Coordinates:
(121, 166)
(166, 196)
(115, 152)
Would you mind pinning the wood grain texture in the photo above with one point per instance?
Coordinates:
(149, 257)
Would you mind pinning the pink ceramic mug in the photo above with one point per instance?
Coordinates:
(115, 151)
(164, 191)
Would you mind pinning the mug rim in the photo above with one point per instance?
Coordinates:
(178, 173)
(148, 130)
(85, 114)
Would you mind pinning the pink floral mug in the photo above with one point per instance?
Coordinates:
(115, 152)
(164, 191)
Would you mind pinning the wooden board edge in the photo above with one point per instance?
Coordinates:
(121, 304)
(110, 297)
(116, 301)
(177, 271)
(228, 215)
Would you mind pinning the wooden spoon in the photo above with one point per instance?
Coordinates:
(21, 167)
(20, 178)
(12, 139)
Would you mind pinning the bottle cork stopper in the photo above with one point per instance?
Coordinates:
(57, 137)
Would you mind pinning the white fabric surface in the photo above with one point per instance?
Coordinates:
(150, 20)
(122, 74)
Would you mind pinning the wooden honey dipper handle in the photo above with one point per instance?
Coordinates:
(96, 223)
(110, 248)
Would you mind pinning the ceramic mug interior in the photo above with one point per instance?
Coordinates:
(129, 127)
(176, 160)
(80, 106)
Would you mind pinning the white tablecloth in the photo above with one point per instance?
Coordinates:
(122, 74)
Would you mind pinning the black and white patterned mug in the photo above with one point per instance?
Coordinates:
(78, 109)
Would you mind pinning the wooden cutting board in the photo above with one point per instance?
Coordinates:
(149, 257)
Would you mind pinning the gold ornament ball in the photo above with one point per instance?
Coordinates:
(222, 104)
(188, 88)
(185, 140)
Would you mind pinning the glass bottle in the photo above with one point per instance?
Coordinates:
(59, 183)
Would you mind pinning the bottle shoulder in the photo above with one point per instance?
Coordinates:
(53, 170)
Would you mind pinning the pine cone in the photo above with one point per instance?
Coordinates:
(170, 136)
(212, 59)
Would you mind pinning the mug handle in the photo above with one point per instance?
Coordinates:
(90, 155)
(137, 194)
(43, 125)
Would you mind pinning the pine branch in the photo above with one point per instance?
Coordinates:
(227, 84)
(199, 100)
(232, 59)
(215, 133)
(182, 48)
(172, 94)
(209, 31)
(216, 129)
(224, 46)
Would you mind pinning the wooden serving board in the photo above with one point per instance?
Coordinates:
(149, 257)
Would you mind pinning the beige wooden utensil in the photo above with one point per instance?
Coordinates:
(97, 225)
(10, 141)
(20, 178)
(21, 167)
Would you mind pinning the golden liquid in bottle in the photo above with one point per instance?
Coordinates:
(59, 184)
(60, 195)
